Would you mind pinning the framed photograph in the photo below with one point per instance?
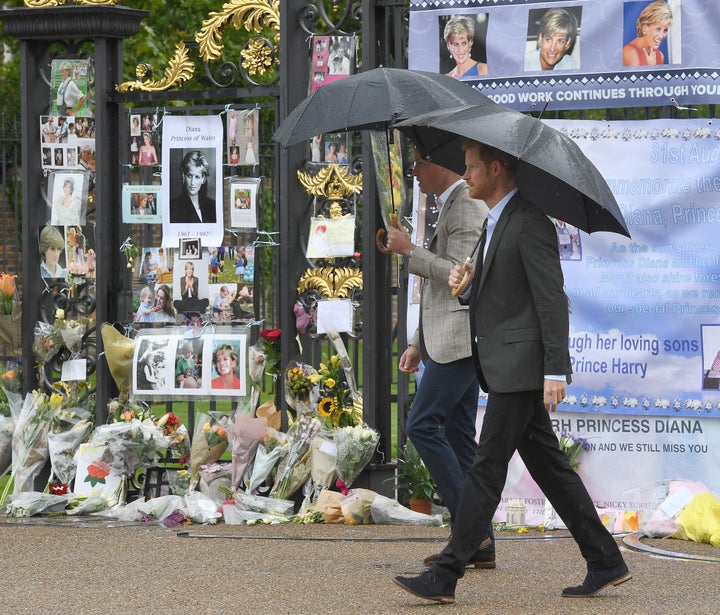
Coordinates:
(68, 198)
(141, 204)
(70, 79)
(189, 249)
(243, 202)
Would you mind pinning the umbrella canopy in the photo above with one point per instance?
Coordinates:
(553, 172)
(373, 100)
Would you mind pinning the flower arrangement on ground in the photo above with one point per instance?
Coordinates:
(299, 436)
(572, 445)
(270, 451)
(30, 443)
(355, 448)
(208, 445)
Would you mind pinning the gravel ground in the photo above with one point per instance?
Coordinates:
(95, 566)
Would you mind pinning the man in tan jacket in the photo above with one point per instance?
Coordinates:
(441, 423)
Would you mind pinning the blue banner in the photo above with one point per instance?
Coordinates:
(594, 54)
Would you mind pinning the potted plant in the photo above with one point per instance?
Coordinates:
(413, 482)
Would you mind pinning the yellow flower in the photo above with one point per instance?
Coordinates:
(60, 314)
(56, 400)
(326, 407)
(334, 360)
(315, 378)
(323, 368)
(206, 427)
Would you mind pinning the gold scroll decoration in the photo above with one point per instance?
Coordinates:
(331, 282)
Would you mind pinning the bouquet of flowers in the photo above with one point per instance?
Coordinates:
(10, 314)
(30, 443)
(68, 429)
(208, 445)
(176, 431)
(355, 448)
(299, 436)
(71, 332)
(31, 503)
(45, 342)
(338, 406)
(248, 432)
(10, 406)
(119, 354)
(300, 390)
(572, 445)
(131, 444)
(270, 339)
(272, 449)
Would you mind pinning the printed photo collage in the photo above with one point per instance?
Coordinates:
(67, 146)
(173, 365)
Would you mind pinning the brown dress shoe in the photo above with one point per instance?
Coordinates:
(483, 558)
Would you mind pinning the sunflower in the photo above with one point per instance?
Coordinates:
(326, 407)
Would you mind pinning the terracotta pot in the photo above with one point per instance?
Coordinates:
(421, 506)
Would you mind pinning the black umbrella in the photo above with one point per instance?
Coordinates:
(374, 100)
(553, 172)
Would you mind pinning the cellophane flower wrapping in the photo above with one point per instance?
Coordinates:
(30, 443)
(323, 463)
(214, 480)
(248, 432)
(355, 448)
(131, 444)
(301, 390)
(68, 430)
(209, 443)
(269, 452)
(10, 408)
(104, 501)
(119, 351)
(71, 333)
(294, 470)
(260, 504)
(29, 503)
(46, 342)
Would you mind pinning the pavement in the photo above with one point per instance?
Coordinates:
(89, 565)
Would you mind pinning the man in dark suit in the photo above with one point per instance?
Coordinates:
(193, 205)
(519, 326)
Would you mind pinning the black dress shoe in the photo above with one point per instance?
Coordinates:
(597, 580)
(428, 586)
(483, 558)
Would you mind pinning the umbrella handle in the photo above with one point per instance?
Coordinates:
(464, 283)
(379, 243)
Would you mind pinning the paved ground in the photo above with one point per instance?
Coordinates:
(91, 566)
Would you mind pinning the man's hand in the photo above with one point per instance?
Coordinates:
(457, 274)
(553, 393)
(398, 241)
(410, 360)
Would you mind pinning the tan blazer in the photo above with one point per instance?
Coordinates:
(444, 331)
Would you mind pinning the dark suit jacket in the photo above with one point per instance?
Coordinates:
(182, 210)
(184, 287)
(518, 308)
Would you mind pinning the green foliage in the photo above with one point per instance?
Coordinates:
(413, 480)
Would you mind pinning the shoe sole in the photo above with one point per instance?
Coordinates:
(476, 565)
(440, 599)
(614, 582)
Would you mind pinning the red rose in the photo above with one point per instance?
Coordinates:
(270, 335)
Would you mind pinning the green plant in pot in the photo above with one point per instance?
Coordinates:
(415, 486)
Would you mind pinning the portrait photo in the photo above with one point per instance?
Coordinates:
(651, 33)
(336, 148)
(463, 51)
(243, 202)
(51, 244)
(553, 39)
(68, 198)
(228, 365)
(192, 276)
(710, 356)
